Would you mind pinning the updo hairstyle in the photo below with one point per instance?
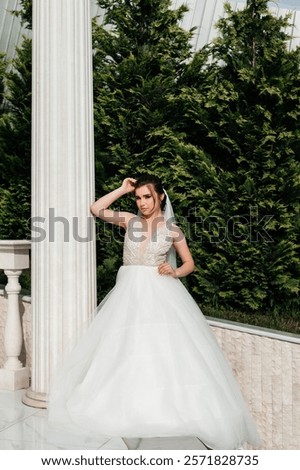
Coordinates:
(146, 180)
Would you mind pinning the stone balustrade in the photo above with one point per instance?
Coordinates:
(14, 257)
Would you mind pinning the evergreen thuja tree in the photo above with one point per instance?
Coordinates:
(2, 72)
(15, 163)
(139, 52)
(2, 108)
(245, 113)
(16, 159)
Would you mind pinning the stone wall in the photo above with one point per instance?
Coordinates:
(267, 367)
(265, 363)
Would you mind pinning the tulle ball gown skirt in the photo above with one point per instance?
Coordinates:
(150, 366)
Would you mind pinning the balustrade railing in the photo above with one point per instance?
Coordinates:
(14, 257)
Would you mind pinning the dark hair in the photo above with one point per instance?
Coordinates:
(145, 179)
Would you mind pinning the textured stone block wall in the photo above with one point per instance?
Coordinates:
(268, 371)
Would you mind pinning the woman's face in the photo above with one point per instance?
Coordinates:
(147, 200)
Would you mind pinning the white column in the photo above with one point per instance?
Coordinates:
(63, 241)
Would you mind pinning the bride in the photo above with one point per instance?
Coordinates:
(149, 364)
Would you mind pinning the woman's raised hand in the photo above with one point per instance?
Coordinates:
(128, 185)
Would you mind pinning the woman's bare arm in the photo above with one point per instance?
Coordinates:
(187, 266)
(100, 207)
(183, 251)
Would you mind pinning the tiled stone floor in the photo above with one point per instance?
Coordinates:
(25, 428)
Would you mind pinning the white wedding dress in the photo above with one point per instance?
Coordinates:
(149, 364)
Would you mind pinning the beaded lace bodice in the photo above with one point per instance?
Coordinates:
(148, 251)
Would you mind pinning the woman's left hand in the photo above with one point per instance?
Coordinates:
(166, 269)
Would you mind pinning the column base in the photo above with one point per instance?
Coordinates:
(14, 379)
(35, 399)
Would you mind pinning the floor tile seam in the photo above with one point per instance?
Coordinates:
(18, 440)
(99, 448)
(20, 420)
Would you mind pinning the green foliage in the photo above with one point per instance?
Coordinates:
(18, 128)
(2, 72)
(25, 13)
(241, 103)
(15, 162)
(279, 322)
(3, 66)
(136, 61)
(14, 206)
